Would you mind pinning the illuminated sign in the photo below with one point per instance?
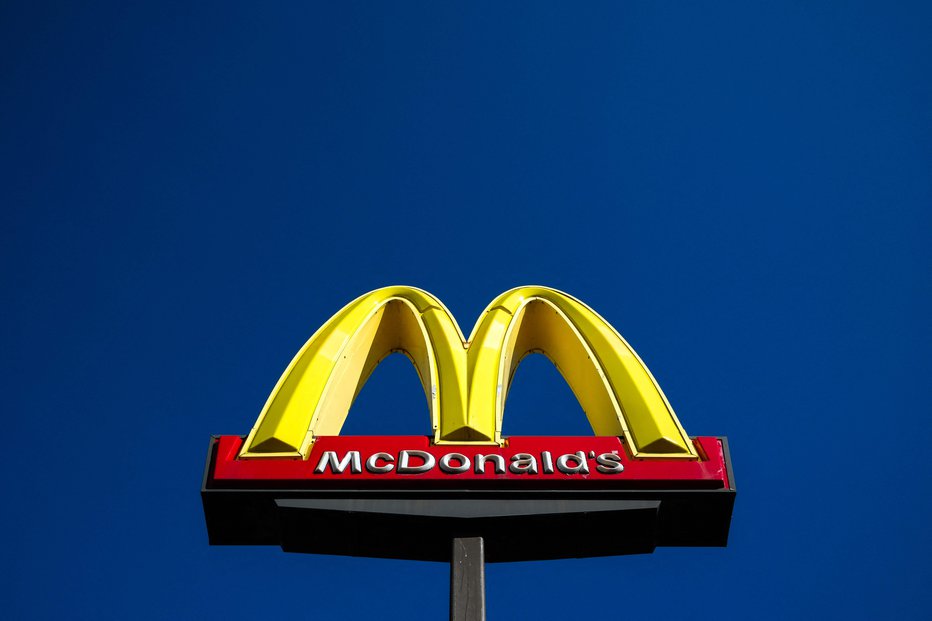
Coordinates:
(294, 481)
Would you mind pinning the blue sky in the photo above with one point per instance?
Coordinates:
(742, 189)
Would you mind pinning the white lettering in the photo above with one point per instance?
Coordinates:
(404, 462)
(609, 463)
(338, 466)
(497, 460)
(581, 465)
(373, 466)
(522, 463)
(447, 467)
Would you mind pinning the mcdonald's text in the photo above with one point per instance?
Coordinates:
(556, 460)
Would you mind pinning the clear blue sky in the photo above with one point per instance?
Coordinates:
(742, 189)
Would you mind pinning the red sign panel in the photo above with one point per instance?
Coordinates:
(365, 461)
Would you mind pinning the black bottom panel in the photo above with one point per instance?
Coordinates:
(516, 526)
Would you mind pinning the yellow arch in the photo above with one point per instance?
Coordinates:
(466, 384)
(315, 392)
(611, 383)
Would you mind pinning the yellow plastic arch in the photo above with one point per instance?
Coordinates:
(611, 383)
(316, 391)
(466, 383)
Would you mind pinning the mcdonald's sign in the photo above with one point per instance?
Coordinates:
(640, 481)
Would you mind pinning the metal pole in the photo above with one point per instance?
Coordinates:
(467, 580)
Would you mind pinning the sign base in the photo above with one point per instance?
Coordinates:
(418, 523)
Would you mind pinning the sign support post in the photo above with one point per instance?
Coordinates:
(467, 579)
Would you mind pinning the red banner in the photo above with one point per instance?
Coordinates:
(524, 461)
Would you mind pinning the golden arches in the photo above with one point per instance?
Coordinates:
(466, 383)
(317, 389)
(611, 383)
